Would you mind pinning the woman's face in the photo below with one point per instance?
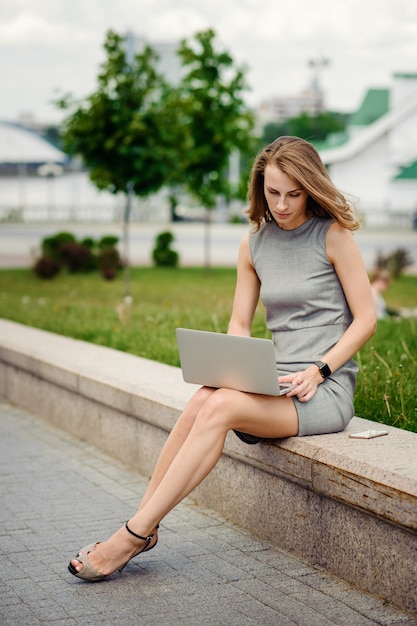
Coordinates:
(287, 202)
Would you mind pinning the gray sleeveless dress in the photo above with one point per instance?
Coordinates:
(307, 313)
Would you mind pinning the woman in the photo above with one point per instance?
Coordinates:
(302, 260)
(380, 280)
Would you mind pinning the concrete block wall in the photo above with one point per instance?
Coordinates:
(349, 506)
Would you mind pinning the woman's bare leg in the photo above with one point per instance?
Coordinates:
(222, 411)
(173, 444)
(175, 440)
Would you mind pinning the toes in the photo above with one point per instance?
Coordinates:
(77, 565)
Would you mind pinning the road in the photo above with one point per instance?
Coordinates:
(19, 243)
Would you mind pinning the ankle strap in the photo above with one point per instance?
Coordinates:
(138, 536)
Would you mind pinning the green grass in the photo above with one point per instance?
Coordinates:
(87, 307)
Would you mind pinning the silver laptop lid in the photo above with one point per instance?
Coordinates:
(221, 360)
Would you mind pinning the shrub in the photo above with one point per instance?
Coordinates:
(88, 242)
(162, 254)
(109, 263)
(395, 262)
(51, 246)
(76, 257)
(108, 241)
(46, 267)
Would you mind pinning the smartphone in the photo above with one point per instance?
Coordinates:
(285, 388)
(368, 434)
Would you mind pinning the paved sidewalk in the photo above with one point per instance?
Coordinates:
(58, 494)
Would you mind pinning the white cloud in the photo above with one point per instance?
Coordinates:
(29, 30)
(24, 28)
(46, 44)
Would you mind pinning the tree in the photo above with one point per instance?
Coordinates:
(315, 127)
(119, 131)
(136, 133)
(215, 116)
(309, 127)
(272, 130)
(177, 142)
(218, 120)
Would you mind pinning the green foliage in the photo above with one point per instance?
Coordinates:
(136, 133)
(119, 129)
(63, 251)
(388, 372)
(272, 130)
(136, 128)
(51, 246)
(164, 240)
(107, 241)
(311, 127)
(162, 254)
(217, 119)
(88, 242)
(316, 127)
(402, 292)
(86, 307)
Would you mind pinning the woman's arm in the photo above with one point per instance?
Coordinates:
(246, 293)
(344, 254)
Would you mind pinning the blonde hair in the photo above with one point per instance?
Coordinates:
(301, 162)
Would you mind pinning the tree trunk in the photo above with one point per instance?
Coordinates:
(126, 251)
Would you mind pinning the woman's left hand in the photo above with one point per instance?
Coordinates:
(305, 383)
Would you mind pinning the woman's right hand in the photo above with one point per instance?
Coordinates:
(305, 383)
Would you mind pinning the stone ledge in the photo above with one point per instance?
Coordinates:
(347, 505)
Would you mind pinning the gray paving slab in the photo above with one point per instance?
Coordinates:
(58, 494)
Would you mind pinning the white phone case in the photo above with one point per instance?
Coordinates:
(368, 434)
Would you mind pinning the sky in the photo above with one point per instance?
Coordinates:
(50, 47)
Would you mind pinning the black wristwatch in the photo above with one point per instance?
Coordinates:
(324, 369)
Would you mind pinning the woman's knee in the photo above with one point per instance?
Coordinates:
(193, 407)
(216, 409)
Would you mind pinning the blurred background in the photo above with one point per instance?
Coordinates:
(136, 123)
(342, 75)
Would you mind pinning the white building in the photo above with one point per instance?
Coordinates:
(377, 161)
(311, 100)
(36, 185)
(20, 146)
(281, 108)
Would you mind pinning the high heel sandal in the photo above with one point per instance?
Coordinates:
(92, 546)
(152, 546)
(90, 573)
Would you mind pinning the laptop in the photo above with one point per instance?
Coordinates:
(220, 360)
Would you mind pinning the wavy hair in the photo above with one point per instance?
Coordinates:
(301, 162)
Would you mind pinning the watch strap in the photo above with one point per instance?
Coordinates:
(324, 369)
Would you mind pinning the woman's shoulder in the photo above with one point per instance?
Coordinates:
(321, 223)
(324, 228)
(340, 241)
(337, 232)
